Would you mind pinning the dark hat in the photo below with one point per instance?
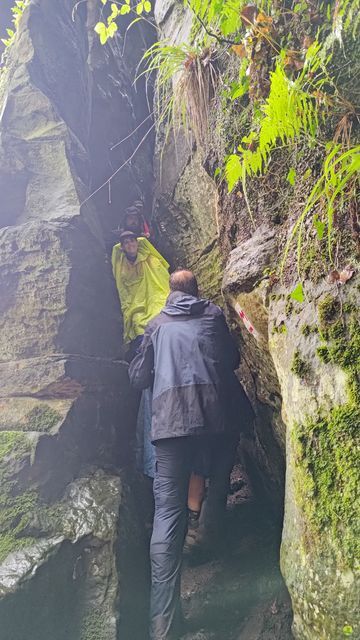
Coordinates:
(125, 235)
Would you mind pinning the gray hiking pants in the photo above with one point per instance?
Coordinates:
(175, 458)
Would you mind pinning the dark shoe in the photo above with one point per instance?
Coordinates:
(193, 527)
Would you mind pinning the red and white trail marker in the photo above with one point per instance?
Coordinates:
(248, 324)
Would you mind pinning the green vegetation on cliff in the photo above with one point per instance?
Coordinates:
(284, 71)
(327, 446)
(15, 507)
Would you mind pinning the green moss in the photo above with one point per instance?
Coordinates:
(42, 418)
(289, 307)
(312, 263)
(281, 328)
(298, 366)
(327, 446)
(349, 307)
(307, 329)
(15, 507)
(336, 330)
(328, 471)
(343, 348)
(323, 353)
(329, 311)
(95, 626)
(11, 442)
(9, 543)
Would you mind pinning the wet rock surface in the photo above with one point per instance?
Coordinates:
(239, 594)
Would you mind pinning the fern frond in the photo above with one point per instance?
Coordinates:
(339, 172)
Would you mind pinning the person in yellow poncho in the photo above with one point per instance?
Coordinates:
(142, 280)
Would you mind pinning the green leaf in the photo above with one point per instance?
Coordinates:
(147, 6)
(112, 29)
(124, 9)
(319, 226)
(139, 8)
(298, 293)
(104, 2)
(114, 9)
(10, 32)
(103, 37)
(348, 630)
(233, 171)
(239, 90)
(307, 174)
(100, 28)
(291, 176)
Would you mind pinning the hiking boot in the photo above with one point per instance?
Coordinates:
(192, 539)
(193, 519)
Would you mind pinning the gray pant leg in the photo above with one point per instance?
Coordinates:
(171, 482)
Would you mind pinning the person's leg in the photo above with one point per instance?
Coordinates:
(173, 466)
(196, 492)
(148, 447)
(222, 462)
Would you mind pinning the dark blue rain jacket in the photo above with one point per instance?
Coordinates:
(189, 357)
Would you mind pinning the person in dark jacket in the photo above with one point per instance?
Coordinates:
(189, 357)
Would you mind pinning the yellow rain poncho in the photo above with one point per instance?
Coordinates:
(143, 286)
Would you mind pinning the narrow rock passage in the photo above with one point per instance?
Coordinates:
(240, 594)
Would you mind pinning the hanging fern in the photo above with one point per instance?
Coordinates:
(334, 188)
(289, 112)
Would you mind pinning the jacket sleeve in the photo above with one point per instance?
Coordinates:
(141, 369)
(154, 252)
(230, 352)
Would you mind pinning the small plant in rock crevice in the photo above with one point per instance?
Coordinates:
(17, 10)
(185, 86)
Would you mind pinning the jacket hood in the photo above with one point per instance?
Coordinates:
(180, 304)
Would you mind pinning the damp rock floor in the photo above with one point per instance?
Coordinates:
(239, 594)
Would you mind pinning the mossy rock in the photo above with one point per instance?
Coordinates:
(15, 506)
